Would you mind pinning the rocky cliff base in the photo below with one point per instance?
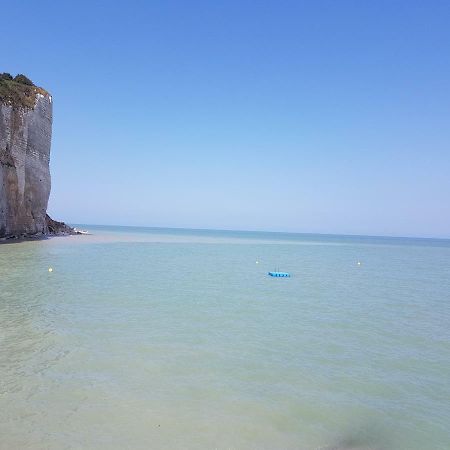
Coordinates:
(52, 228)
(56, 228)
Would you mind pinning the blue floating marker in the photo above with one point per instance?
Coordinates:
(279, 274)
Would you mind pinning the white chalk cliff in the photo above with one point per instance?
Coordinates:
(25, 140)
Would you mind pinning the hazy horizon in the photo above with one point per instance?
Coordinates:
(327, 117)
(156, 227)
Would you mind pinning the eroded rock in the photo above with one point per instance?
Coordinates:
(25, 139)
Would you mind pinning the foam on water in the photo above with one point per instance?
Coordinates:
(152, 338)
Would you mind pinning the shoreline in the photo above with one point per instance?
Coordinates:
(42, 237)
(54, 228)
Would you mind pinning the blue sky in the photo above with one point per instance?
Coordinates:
(324, 116)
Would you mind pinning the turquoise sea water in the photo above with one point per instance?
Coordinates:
(178, 339)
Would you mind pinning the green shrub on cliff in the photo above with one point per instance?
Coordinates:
(22, 79)
(18, 91)
(5, 76)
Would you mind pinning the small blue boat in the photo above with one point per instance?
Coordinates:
(279, 274)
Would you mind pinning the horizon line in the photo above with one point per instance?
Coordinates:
(266, 231)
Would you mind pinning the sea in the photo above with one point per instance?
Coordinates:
(150, 338)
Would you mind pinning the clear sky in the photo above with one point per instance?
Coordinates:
(317, 116)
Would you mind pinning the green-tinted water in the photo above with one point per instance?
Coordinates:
(175, 339)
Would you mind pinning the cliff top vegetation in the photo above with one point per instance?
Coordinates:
(18, 91)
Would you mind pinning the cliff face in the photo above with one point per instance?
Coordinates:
(25, 138)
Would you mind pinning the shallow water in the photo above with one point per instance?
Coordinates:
(152, 338)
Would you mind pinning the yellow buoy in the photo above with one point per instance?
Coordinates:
(50, 269)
